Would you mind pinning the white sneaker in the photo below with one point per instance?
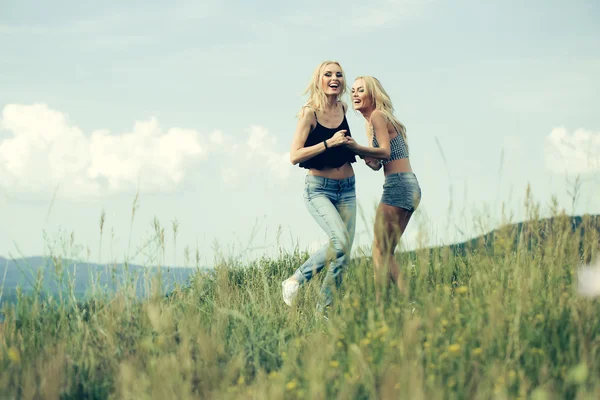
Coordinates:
(289, 288)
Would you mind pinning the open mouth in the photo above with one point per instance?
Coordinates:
(334, 85)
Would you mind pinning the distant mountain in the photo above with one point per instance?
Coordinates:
(54, 275)
(528, 234)
(531, 233)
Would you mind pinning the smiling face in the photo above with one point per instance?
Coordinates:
(361, 100)
(332, 79)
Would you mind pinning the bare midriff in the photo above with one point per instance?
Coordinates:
(397, 166)
(343, 172)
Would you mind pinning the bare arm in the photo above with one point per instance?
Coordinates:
(383, 138)
(299, 153)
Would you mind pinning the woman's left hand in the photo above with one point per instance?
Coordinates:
(373, 163)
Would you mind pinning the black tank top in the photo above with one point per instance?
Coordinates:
(333, 157)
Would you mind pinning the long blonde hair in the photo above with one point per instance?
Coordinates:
(317, 97)
(382, 102)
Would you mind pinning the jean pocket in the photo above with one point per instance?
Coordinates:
(312, 186)
(312, 189)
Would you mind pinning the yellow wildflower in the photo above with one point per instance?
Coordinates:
(454, 348)
(13, 355)
(291, 385)
(334, 363)
(462, 289)
(383, 330)
(477, 351)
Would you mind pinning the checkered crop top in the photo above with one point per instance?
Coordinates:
(398, 148)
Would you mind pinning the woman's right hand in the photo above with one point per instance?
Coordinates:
(338, 139)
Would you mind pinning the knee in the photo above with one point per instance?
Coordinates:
(341, 246)
(379, 246)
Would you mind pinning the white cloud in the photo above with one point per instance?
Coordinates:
(256, 154)
(47, 150)
(262, 153)
(161, 157)
(44, 150)
(576, 153)
(217, 138)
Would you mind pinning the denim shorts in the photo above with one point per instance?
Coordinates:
(402, 190)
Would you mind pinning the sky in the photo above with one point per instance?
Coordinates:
(172, 122)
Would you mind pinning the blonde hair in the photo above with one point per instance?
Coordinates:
(382, 102)
(317, 97)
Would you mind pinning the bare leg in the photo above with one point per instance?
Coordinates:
(390, 224)
(379, 270)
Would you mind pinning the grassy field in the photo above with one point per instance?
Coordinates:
(499, 321)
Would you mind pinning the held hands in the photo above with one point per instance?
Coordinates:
(338, 139)
(350, 142)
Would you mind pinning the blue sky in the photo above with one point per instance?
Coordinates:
(193, 103)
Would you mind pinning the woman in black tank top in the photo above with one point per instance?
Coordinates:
(319, 145)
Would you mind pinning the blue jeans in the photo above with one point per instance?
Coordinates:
(332, 203)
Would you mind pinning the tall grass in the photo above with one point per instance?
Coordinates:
(501, 320)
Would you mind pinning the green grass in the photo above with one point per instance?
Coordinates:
(502, 322)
